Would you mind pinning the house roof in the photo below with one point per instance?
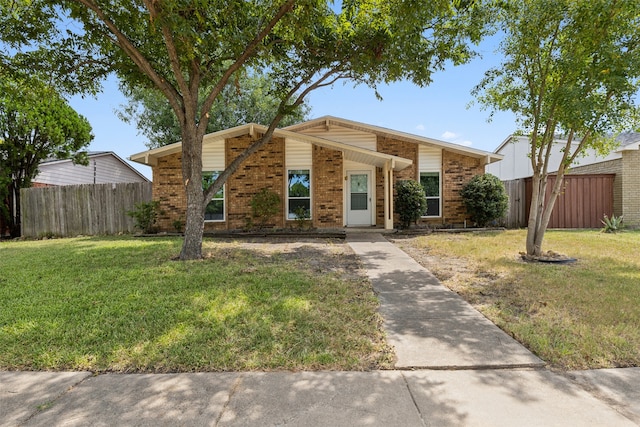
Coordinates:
(94, 154)
(626, 140)
(353, 153)
(328, 121)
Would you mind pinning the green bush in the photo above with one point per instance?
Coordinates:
(485, 198)
(145, 216)
(411, 202)
(613, 224)
(264, 205)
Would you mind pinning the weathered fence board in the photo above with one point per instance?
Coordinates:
(517, 212)
(88, 209)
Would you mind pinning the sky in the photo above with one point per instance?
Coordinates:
(440, 110)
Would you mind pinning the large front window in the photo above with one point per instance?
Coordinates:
(299, 194)
(431, 184)
(215, 208)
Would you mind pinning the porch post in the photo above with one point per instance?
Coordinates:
(388, 195)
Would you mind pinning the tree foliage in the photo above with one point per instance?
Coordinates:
(36, 123)
(572, 68)
(485, 198)
(248, 100)
(192, 51)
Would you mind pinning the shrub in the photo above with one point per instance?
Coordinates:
(485, 198)
(264, 205)
(411, 203)
(613, 224)
(145, 216)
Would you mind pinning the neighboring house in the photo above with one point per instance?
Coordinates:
(105, 167)
(623, 162)
(339, 172)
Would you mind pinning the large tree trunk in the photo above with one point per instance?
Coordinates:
(192, 180)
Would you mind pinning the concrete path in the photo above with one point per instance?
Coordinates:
(429, 325)
(382, 398)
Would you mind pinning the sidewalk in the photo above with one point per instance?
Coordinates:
(477, 376)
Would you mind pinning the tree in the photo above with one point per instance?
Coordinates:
(247, 101)
(485, 198)
(572, 69)
(35, 123)
(183, 49)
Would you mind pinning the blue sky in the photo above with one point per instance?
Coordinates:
(438, 111)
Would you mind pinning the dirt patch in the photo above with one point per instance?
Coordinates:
(318, 255)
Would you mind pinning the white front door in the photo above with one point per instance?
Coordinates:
(359, 198)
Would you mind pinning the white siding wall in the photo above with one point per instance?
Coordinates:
(429, 159)
(298, 155)
(345, 135)
(105, 168)
(517, 164)
(213, 156)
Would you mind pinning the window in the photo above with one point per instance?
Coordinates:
(299, 193)
(215, 209)
(431, 183)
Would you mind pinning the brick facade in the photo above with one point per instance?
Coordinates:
(457, 170)
(400, 149)
(266, 168)
(327, 188)
(263, 169)
(631, 187)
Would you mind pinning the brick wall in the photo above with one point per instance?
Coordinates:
(168, 189)
(610, 166)
(457, 170)
(631, 187)
(265, 168)
(327, 188)
(403, 149)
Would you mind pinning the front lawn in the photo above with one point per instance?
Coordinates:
(121, 304)
(579, 316)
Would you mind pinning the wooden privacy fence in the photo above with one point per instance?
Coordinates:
(516, 216)
(88, 209)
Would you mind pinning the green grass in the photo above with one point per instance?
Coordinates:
(579, 316)
(122, 304)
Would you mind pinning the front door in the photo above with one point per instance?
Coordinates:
(359, 198)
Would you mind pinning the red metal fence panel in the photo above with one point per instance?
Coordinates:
(582, 203)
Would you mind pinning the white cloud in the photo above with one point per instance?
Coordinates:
(448, 135)
(466, 143)
(420, 127)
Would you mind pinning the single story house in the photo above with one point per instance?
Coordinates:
(341, 172)
(105, 167)
(623, 162)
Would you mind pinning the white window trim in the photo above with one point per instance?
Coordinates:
(432, 197)
(286, 213)
(224, 201)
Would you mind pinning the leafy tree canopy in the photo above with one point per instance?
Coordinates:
(36, 123)
(572, 67)
(183, 49)
(248, 100)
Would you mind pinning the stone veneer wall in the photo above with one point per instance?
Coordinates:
(327, 188)
(457, 170)
(610, 166)
(631, 187)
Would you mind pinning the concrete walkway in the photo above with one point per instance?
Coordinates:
(429, 326)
